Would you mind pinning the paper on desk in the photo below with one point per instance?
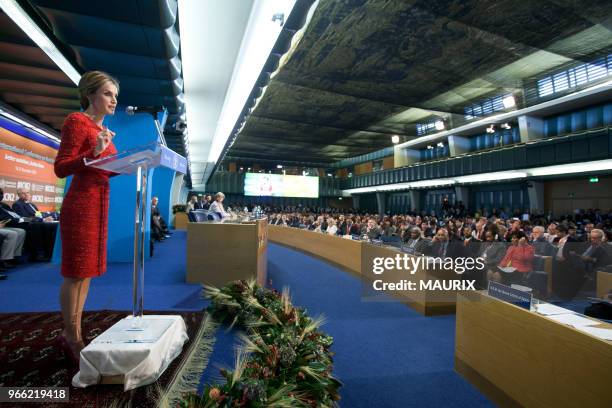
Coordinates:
(547, 309)
(506, 269)
(573, 320)
(604, 334)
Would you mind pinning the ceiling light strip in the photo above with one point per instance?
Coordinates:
(565, 169)
(23, 21)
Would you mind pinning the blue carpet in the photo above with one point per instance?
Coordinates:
(35, 286)
(387, 355)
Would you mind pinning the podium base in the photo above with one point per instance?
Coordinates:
(122, 355)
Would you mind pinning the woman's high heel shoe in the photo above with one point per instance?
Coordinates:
(64, 344)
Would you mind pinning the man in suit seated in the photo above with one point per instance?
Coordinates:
(416, 244)
(594, 256)
(441, 246)
(11, 244)
(24, 207)
(159, 228)
(371, 230)
(40, 236)
(540, 244)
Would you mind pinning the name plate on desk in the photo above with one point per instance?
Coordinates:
(510, 295)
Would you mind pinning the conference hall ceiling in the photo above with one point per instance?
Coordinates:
(369, 69)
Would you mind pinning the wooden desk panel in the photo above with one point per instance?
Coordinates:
(426, 302)
(604, 284)
(218, 253)
(340, 251)
(350, 255)
(520, 358)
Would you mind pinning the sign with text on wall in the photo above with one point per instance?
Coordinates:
(27, 164)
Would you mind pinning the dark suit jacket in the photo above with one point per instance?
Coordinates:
(24, 209)
(453, 249)
(4, 215)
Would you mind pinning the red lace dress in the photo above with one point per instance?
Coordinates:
(84, 213)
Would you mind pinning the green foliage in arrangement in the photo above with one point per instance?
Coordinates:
(177, 208)
(284, 360)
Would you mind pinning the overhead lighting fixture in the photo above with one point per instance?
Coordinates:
(329, 175)
(439, 125)
(509, 102)
(430, 147)
(279, 166)
(395, 139)
(440, 144)
(491, 129)
(502, 175)
(506, 126)
(588, 167)
(259, 38)
(23, 21)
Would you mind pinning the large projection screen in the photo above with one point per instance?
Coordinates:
(278, 185)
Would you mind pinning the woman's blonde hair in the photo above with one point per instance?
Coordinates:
(90, 82)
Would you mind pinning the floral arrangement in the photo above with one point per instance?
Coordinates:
(284, 360)
(176, 208)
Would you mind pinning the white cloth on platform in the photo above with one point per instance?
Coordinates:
(140, 356)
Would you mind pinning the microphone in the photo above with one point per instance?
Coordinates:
(153, 110)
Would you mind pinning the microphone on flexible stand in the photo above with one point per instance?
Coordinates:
(153, 110)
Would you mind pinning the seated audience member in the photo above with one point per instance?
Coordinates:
(355, 229)
(276, 220)
(341, 225)
(519, 256)
(332, 228)
(217, 205)
(11, 246)
(191, 203)
(541, 245)
(469, 244)
(207, 202)
(551, 233)
(567, 277)
(416, 244)
(441, 246)
(39, 236)
(371, 230)
(514, 227)
(199, 203)
(594, 256)
(24, 207)
(492, 251)
(159, 228)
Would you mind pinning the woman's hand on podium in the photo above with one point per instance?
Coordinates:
(105, 137)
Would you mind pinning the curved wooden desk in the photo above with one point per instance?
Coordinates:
(352, 255)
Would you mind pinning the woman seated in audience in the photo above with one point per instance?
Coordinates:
(518, 261)
(492, 251)
(332, 228)
(217, 205)
(191, 203)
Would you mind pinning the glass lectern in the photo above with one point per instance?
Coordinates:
(139, 160)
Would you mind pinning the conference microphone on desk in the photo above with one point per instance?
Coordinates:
(153, 110)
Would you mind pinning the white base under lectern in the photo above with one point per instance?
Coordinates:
(138, 354)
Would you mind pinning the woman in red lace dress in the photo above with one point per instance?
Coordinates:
(84, 216)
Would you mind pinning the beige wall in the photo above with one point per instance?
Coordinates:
(564, 196)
